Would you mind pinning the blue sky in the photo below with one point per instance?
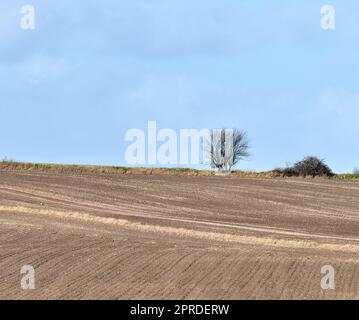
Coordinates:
(91, 70)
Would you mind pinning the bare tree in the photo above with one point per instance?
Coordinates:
(227, 147)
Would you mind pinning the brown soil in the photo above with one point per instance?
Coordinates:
(156, 236)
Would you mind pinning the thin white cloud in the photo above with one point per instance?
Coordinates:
(42, 68)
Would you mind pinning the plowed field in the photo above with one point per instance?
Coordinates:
(136, 236)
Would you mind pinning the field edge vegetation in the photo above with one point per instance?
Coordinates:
(9, 165)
